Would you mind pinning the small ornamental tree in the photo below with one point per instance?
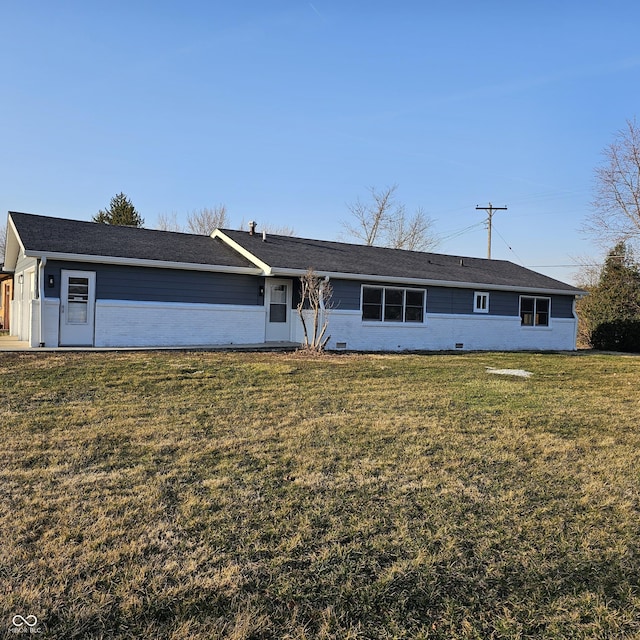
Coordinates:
(120, 212)
(313, 309)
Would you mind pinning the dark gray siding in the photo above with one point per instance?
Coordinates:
(116, 282)
(346, 295)
(445, 300)
(562, 306)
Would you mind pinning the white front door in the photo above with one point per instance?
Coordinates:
(278, 303)
(77, 307)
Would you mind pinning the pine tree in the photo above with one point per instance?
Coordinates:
(616, 296)
(120, 212)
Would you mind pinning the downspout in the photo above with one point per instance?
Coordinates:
(43, 263)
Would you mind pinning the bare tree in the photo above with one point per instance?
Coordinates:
(206, 221)
(384, 222)
(314, 308)
(616, 206)
(169, 222)
(414, 233)
(3, 241)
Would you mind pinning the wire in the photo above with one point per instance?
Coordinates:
(508, 246)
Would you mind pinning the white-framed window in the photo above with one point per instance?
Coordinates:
(535, 311)
(392, 304)
(481, 302)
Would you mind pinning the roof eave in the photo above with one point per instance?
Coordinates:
(281, 271)
(142, 262)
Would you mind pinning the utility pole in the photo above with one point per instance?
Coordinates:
(490, 209)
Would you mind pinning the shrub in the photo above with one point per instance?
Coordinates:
(620, 335)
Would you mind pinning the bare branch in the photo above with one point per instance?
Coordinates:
(314, 308)
(169, 222)
(384, 222)
(616, 204)
(205, 221)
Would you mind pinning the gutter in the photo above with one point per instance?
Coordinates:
(483, 286)
(143, 262)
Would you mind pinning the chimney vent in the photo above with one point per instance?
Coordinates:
(252, 228)
(461, 262)
(264, 236)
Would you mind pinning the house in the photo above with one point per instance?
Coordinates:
(88, 284)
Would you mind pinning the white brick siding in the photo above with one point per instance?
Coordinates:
(121, 323)
(444, 332)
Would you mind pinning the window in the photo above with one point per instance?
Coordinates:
(481, 302)
(390, 304)
(534, 312)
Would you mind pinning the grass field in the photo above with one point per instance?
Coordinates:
(219, 495)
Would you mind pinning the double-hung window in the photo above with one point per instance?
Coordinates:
(392, 304)
(481, 302)
(534, 312)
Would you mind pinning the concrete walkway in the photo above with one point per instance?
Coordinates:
(10, 343)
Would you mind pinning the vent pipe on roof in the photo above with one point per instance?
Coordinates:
(252, 228)
(264, 236)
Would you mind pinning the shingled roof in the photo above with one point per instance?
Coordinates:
(45, 235)
(231, 250)
(286, 254)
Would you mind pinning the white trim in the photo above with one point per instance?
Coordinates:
(382, 320)
(537, 327)
(424, 282)
(140, 262)
(266, 269)
(483, 295)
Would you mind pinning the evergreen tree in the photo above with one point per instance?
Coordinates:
(616, 296)
(120, 212)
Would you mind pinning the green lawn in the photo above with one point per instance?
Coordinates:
(218, 495)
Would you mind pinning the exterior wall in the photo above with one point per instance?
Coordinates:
(24, 294)
(452, 300)
(444, 332)
(122, 323)
(118, 282)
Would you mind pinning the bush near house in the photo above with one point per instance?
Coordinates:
(621, 335)
(258, 496)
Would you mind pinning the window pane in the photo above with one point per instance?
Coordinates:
(526, 311)
(372, 303)
(372, 295)
(542, 312)
(415, 298)
(393, 296)
(413, 314)
(279, 293)
(393, 305)
(414, 310)
(278, 313)
(77, 313)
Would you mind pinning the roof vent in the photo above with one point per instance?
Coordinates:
(461, 262)
(252, 228)
(264, 236)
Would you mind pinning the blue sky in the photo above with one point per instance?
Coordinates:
(286, 111)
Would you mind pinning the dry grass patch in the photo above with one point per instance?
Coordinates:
(205, 495)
